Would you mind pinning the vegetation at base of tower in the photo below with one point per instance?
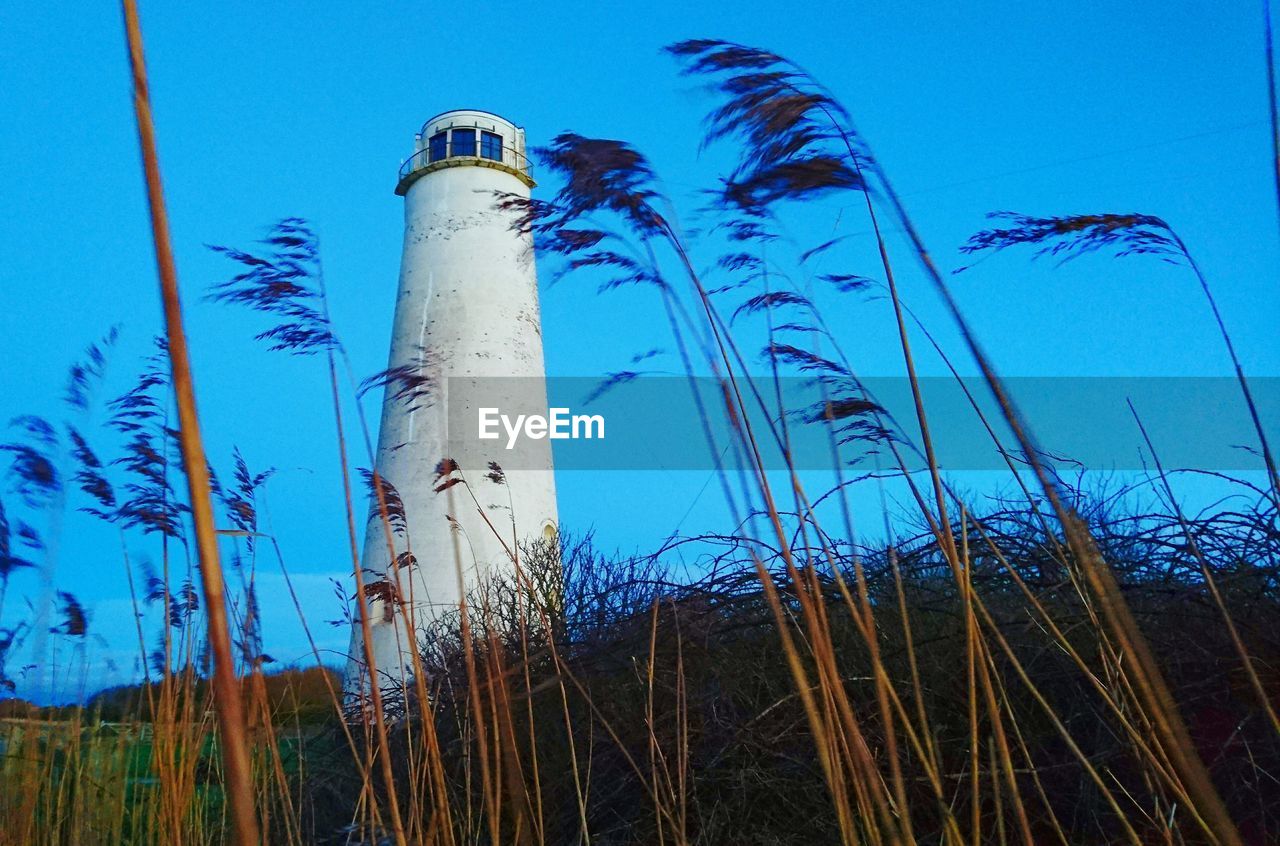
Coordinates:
(1062, 663)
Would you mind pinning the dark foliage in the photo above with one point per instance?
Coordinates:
(90, 477)
(395, 513)
(32, 473)
(89, 370)
(600, 175)
(147, 500)
(1072, 236)
(408, 384)
(283, 281)
(608, 383)
(240, 501)
(771, 300)
(794, 136)
(182, 604)
(752, 775)
(8, 560)
(448, 474)
(74, 620)
(608, 189)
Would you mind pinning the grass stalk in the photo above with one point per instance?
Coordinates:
(227, 699)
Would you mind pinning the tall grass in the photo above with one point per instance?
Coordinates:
(1062, 664)
(231, 724)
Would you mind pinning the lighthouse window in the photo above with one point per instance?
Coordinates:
(464, 142)
(439, 146)
(491, 146)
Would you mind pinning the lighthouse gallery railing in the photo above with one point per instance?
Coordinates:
(472, 152)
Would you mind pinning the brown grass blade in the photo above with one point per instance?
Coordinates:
(235, 755)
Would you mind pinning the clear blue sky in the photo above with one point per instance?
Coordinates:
(272, 109)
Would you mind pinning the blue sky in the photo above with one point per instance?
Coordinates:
(270, 110)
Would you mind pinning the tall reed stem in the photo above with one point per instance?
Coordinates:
(1153, 691)
(231, 726)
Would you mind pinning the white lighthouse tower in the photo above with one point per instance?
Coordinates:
(466, 324)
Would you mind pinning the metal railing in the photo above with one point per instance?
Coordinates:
(473, 152)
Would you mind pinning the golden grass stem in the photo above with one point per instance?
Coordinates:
(1151, 687)
(235, 755)
(366, 629)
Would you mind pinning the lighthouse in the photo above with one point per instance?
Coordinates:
(466, 332)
